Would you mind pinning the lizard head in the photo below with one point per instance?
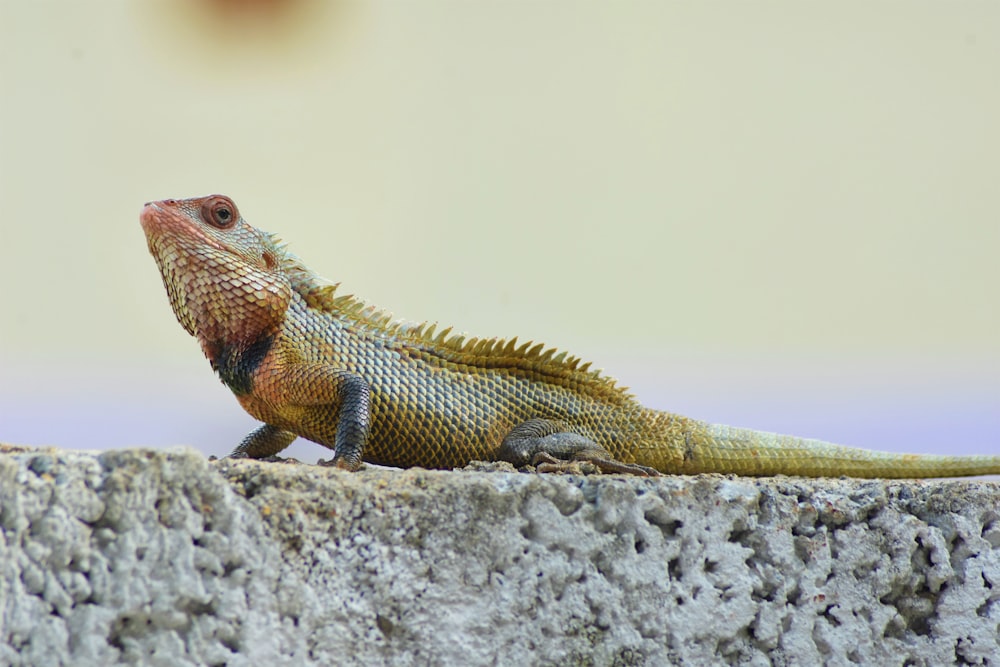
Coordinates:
(223, 276)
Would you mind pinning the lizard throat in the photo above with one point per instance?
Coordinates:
(237, 364)
(226, 305)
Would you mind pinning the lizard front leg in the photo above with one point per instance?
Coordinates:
(549, 444)
(353, 423)
(264, 441)
(326, 405)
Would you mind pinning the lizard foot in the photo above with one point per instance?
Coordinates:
(281, 459)
(546, 463)
(236, 456)
(339, 462)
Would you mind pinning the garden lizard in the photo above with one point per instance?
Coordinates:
(310, 362)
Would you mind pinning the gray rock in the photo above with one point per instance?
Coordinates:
(163, 558)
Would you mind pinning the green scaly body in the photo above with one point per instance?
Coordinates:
(308, 362)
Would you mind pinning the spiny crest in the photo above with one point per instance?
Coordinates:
(321, 295)
(533, 359)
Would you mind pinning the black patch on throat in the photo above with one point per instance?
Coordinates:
(237, 364)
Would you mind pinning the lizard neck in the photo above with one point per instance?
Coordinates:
(237, 329)
(233, 309)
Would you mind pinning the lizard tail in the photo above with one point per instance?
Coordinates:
(691, 447)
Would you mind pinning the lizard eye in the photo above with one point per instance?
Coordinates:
(219, 212)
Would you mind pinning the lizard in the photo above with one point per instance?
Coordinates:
(308, 361)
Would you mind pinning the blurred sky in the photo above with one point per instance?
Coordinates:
(780, 215)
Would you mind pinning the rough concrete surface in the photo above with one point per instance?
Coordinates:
(164, 558)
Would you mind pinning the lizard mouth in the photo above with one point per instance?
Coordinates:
(153, 217)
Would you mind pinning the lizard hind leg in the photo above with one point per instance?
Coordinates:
(551, 446)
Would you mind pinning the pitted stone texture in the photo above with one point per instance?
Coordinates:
(152, 557)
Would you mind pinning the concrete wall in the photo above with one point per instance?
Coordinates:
(164, 558)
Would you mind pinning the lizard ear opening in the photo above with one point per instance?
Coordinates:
(220, 212)
(270, 261)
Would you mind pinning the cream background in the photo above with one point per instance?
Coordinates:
(780, 215)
